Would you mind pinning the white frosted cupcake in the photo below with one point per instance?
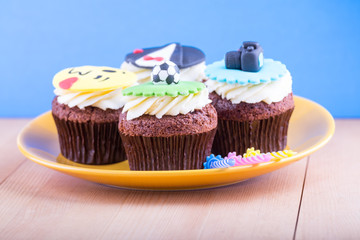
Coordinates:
(254, 101)
(167, 125)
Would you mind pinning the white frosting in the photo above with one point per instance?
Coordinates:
(193, 73)
(160, 106)
(273, 91)
(112, 99)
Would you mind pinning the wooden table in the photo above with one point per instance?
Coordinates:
(315, 198)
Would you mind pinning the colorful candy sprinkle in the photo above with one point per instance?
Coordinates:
(251, 156)
(281, 154)
(218, 162)
(212, 156)
(251, 152)
(253, 160)
(239, 161)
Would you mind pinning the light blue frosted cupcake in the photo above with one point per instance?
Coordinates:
(254, 106)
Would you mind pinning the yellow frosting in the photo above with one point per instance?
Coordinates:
(93, 78)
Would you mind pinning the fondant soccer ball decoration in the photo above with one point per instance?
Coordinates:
(166, 72)
(248, 58)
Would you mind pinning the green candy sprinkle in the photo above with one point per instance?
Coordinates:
(150, 89)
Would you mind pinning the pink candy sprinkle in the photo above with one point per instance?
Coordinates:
(239, 160)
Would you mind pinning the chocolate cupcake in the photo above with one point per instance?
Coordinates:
(86, 111)
(190, 60)
(254, 101)
(166, 124)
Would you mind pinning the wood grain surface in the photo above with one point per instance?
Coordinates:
(330, 206)
(315, 198)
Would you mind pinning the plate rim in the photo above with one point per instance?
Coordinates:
(174, 173)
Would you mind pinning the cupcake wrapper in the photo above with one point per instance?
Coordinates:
(90, 143)
(267, 135)
(168, 153)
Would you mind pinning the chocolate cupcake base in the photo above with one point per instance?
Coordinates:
(168, 153)
(88, 136)
(171, 142)
(268, 134)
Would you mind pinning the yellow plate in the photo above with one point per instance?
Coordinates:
(311, 127)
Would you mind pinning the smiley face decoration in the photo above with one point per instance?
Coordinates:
(165, 72)
(249, 58)
(93, 78)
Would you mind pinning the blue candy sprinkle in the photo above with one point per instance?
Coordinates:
(218, 162)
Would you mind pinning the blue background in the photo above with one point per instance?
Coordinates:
(319, 41)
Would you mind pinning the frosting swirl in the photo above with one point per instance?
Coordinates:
(193, 73)
(165, 105)
(273, 91)
(108, 99)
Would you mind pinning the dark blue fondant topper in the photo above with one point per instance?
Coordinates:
(182, 56)
(249, 57)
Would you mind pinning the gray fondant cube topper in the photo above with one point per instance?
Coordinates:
(251, 56)
(232, 60)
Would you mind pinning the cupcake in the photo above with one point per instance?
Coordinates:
(86, 111)
(190, 60)
(254, 101)
(167, 124)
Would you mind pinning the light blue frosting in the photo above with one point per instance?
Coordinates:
(270, 71)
